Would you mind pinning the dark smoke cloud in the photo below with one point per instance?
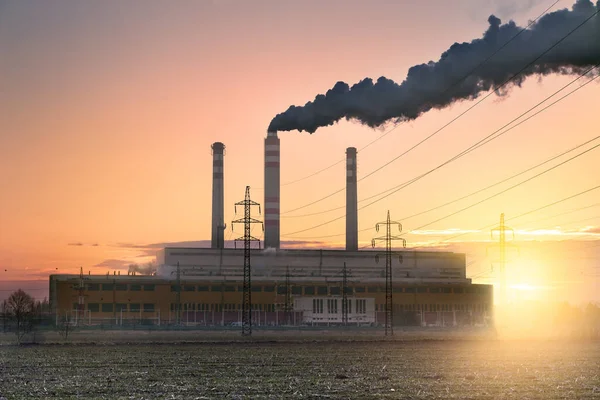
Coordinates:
(434, 85)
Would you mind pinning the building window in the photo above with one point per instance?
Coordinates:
(446, 290)
(149, 288)
(361, 306)
(121, 307)
(296, 289)
(332, 306)
(107, 307)
(281, 289)
(470, 290)
(107, 286)
(175, 288)
(93, 286)
(203, 288)
(216, 288)
(229, 288)
(458, 290)
(121, 287)
(309, 290)
(322, 290)
(410, 290)
(189, 288)
(93, 307)
(256, 288)
(317, 306)
(421, 289)
(135, 288)
(134, 307)
(148, 307)
(397, 290)
(348, 290)
(434, 290)
(373, 289)
(334, 290)
(269, 288)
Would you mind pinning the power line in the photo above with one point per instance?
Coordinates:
(520, 215)
(477, 191)
(489, 138)
(563, 213)
(477, 145)
(433, 134)
(507, 189)
(471, 194)
(481, 143)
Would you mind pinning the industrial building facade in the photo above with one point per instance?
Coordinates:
(288, 287)
(204, 286)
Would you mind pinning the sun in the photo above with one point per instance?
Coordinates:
(523, 286)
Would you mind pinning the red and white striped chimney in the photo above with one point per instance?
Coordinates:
(351, 201)
(272, 191)
(218, 220)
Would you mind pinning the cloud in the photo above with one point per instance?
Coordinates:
(114, 263)
(308, 244)
(443, 232)
(75, 244)
(509, 9)
(150, 249)
(592, 229)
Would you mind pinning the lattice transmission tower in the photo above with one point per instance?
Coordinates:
(287, 307)
(345, 295)
(80, 310)
(388, 238)
(247, 220)
(178, 295)
(501, 231)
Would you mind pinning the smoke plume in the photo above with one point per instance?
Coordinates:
(436, 85)
(148, 269)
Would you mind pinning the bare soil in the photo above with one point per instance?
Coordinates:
(305, 369)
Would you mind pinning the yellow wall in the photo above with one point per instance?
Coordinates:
(164, 295)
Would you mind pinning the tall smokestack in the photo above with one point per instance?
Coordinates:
(272, 190)
(351, 201)
(218, 220)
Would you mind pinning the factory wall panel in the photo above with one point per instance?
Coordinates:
(151, 297)
(200, 261)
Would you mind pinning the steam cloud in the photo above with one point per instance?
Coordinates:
(148, 269)
(436, 85)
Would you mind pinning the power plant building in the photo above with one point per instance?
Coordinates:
(203, 286)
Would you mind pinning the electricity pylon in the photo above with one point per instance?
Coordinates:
(178, 296)
(287, 308)
(388, 238)
(80, 287)
(247, 239)
(501, 230)
(345, 296)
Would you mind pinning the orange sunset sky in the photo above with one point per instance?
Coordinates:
(108, 110)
